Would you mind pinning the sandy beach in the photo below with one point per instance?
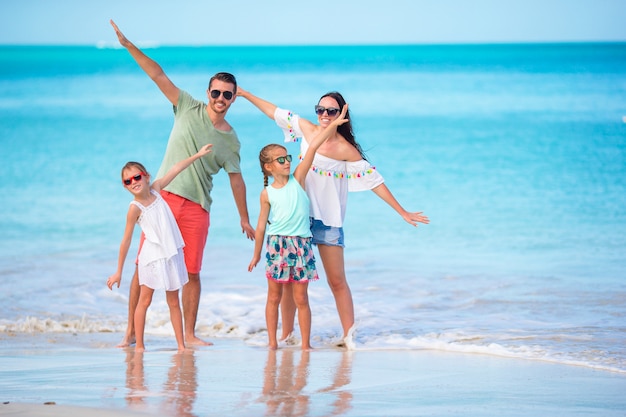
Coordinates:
(84, 374)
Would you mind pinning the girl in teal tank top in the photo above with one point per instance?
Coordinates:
(285, 214)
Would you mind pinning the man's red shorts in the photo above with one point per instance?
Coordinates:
(193, 222)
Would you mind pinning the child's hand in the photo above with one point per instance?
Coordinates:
(115, 278)
(253, 263)
(341, 119)
(206, 149)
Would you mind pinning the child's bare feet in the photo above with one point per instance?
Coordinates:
(127, 341)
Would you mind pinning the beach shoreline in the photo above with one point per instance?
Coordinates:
(86, 371)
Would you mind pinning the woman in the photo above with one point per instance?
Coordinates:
(339, 166)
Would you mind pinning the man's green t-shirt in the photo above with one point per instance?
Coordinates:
(192, 130)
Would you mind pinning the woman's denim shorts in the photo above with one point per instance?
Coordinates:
(326, 235)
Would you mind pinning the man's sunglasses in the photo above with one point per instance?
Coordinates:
(216, 93)
(332, 111)
(137, 178)
(281, 159)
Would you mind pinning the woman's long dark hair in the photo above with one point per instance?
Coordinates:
(345, 129)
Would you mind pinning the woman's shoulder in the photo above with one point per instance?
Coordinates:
(340, 149)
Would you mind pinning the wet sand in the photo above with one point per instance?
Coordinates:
(84, 374)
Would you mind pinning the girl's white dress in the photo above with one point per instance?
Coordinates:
(161, 262)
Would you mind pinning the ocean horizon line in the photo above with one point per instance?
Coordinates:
(155, 44)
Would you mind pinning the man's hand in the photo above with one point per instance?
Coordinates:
(248, 230)
(120, 36)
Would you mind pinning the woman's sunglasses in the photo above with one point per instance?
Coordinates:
(332, 111)
(216, 93)
(137, 178)
(281, 159)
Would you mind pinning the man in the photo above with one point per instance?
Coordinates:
(189, 195)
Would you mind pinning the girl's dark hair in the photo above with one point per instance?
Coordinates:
(345, 129)
(265, 158)
(137, 165)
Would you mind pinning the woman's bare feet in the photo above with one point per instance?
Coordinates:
(289, 340)
(348, 340)
(196, 341)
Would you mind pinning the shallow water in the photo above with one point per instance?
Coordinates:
(517, 153)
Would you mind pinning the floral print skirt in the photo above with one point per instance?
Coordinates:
(290, 259)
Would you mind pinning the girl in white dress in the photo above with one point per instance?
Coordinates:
(161, 262)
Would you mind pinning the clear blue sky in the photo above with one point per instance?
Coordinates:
(273, 22)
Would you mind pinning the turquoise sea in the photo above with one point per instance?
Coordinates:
(517, 153)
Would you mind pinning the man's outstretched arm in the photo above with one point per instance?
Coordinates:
(150, 67)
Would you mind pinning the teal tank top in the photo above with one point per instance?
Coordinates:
(289, 210)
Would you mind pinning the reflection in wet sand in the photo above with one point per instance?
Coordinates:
(284, 384)
(135, 380)
(342, 378)
(179, 390)
(182, 385)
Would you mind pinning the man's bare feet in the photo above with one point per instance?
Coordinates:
(140, 349)
(195, 341)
